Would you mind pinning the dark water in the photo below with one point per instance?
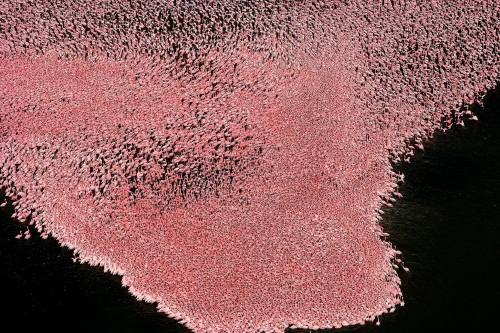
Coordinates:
(447, 226)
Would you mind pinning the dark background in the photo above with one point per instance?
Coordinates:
(447, 226)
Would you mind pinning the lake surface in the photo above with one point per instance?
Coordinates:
(447, 225)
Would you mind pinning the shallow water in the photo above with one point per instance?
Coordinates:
(447, 226)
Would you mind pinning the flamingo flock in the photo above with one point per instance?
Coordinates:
(231, 159)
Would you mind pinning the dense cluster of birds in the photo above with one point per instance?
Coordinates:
(231, 158)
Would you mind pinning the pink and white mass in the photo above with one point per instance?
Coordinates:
(230, 159)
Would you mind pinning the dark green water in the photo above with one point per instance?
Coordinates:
(447, 226)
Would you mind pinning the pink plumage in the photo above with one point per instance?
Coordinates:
(230, 160)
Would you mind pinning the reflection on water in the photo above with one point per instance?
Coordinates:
(447, 226)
